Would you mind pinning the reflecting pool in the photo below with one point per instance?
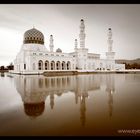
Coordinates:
(92, 105)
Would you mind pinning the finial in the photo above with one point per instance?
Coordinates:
(33, 26)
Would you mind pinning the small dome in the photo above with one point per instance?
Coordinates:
(59, 50)
(33, 36)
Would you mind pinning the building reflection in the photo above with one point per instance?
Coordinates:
(2, 74)
(110, 89)
(34, 91)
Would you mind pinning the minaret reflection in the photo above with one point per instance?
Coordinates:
(110, 89)
(52, 101)
(85, 83)
(83, 109)
(35, 89)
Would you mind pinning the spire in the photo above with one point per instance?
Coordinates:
(110, 41)
(110, 54)
(76, 45)
(82, 34)
(51, 43)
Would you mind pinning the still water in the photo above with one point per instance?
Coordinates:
(98, 104)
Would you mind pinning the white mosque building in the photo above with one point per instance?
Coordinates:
(35, 58)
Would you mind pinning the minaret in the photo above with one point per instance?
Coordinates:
(82, 34)
(76, 45)
(110, 41)
(110, 54)
(51, 43)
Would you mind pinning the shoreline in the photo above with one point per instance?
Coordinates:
(76, 72)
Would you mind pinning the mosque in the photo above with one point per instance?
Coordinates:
(35, 58)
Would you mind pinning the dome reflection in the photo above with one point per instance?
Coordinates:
(34, 109)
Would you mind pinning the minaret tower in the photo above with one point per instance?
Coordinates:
(82, 34)
(76, 45)
(110, 54)
(51, 43)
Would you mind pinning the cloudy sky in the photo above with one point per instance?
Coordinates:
(63, 20)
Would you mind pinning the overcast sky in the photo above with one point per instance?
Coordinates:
(63, 20)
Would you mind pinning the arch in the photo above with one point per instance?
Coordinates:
(52, 65)
(46, 65)
(68, 65)
(58, 65)
(40, 65)
(101, 66)
(63, 65)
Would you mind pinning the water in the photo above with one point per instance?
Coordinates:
(92, 105)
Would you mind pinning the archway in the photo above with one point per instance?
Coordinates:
(46, 65)
(58, 65)
(63, 65)
(40, 65)
(52, 65)
(68, 65)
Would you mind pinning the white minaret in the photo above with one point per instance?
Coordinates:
(110, 54)
(76, 45)
(51, 43)
(82, 34)
(110, 41)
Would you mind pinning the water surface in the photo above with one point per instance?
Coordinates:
(96, 104)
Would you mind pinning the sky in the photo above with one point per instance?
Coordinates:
(63, 21)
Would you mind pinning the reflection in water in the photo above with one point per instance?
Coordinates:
(34, 109)
(2, 74)
(83, 110)
(110, 89)
(35, 89)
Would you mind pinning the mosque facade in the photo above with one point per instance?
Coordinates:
(35, 58)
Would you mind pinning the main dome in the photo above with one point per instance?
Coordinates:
(33, 36)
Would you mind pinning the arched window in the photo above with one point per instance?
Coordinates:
(63, 65)
(68, 65)
(101, 66)
(46, 65)
(52, 65)
(58, 65)
(40, 65)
